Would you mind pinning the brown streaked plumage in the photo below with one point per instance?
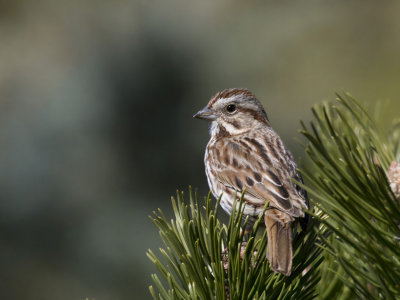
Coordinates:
(244, 152)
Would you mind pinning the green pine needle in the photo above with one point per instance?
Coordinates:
(346, 175)
(196, 243)
(350, 249)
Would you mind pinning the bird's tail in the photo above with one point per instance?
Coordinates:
(279, 242)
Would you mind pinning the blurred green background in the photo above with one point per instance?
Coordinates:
(96, 128)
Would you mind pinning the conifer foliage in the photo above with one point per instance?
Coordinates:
(350, 250)
(349, 157)
(205, 259)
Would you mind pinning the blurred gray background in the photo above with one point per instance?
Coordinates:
(96, 128)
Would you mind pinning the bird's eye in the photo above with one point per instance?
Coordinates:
(231, 108)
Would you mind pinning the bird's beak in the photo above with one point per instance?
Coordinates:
(205, 114)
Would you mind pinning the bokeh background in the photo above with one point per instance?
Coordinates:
(96, 128)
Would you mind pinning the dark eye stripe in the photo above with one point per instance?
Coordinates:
(235, 124)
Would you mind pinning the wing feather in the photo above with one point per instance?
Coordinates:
(247, 165)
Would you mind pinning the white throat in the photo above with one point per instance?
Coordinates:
(215, 129)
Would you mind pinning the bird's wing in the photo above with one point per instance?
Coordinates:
(248, 163)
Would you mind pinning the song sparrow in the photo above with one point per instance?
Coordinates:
(245, 152)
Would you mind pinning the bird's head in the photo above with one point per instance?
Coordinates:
(232, 112)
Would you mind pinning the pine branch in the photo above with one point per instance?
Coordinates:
(347, 177)
(350, 249)
(205, 259)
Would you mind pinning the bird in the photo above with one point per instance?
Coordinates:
(244, 153)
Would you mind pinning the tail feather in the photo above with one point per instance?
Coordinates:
(280, 251)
